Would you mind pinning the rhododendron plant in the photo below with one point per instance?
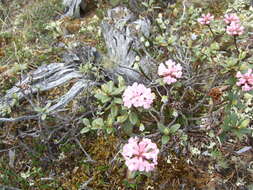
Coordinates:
(170, 71)
(229, 18)
(206, 19)
(235, 29)
(245, 80)
(138, 95)
(140, 155)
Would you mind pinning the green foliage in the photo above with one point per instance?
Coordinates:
(234, 121)
(168, 131)
(110, 99)
(43, 111)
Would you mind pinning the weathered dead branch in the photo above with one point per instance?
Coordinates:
(51, 76)
(122, 31)
(74, 7)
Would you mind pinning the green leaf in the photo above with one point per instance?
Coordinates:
(109, 130)
(117, 91)
(110, 86)
(104, 88)
(231, 62)
(245, 130)
(114, 2)
(85, 130)
(233, 118)
(241, 132)
(165, 139)
(215, 46)
(133, 117)
(184, 137)
(110, 120)
(174, 128)
(98, 123)
(161, 127)
(122, 118)
(127, 127)
(142, 127)
(244, 123)
(121, 81)
(102, 97)
(86, 122)
(114, 110)
(145, 4)
(242, 55)
(166, 131)
(117, 101)
(38, 109)
(164, 99)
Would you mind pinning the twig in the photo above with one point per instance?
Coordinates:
(3, 187)
(55, 130)
(162, 117)
(156, 119)
(144, 74)
(172, 122)
(153, 135)
(84, 185)
(6, 150)
(184, 11)
(86, 154)
(114, 158)
(22, 118)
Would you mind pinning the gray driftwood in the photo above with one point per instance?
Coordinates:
(122, 31)
(74, 7)
(53, 75)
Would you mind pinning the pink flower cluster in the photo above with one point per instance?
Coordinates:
(229, 18)
(170, 71)
(206, 19)
(140, 155)
(138, 95)
(245, 80)
(234, 27)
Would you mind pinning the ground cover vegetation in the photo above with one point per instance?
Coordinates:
(189, 127)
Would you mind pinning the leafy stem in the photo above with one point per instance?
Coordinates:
(236, 47)
(210, 29)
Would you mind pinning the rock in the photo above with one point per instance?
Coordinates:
(122, 31)
(74, 7)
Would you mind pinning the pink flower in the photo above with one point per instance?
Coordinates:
(235, 29)
(138, 96)
(229, 18)
(206, 19)
(140, 155)
(170, 71)
(245, 80)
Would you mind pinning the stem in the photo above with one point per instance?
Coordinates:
(210, 29)
(236, 45)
